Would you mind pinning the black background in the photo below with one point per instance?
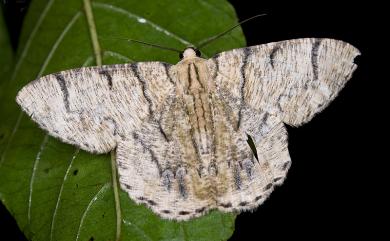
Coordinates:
(332, 187)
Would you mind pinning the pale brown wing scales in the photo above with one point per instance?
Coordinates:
(295, 79)
(94, 107)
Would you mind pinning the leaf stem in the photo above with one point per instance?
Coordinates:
(116, 196)
(92, 31)
(98, 58)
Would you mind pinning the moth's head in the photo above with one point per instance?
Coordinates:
(189, 52)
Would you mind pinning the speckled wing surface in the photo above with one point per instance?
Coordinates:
(282, 82)
(180, 131)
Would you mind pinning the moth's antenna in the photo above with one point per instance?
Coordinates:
(145, 43)
(209, 40)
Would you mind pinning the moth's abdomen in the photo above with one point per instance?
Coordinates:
(197, 108)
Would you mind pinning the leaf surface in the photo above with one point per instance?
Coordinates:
(6, 52)
(55, 191)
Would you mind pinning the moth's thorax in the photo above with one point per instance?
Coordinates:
(195, 88)
(193, 75)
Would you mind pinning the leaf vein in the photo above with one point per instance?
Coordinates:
(93, 200)
(135, 16)
(140, 231)
(29, 40)
(43, 68)
(117, 55)
(206, 3)
(36, 162)
(8, 145)
(88, 61)
(57, 42)
(60, 193)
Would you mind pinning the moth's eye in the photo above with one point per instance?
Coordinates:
(181, 55)
(197, 52)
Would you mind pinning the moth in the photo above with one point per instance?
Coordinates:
(180, 131)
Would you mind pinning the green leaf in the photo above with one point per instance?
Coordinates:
(55, 191)
(6, 53)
